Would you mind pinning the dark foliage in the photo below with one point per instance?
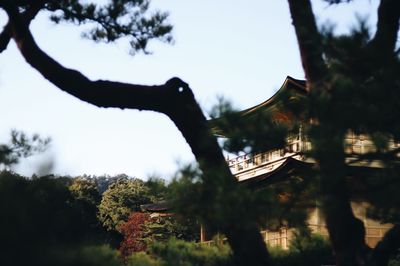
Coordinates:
(115, 20)
(305, 250)
(40, 214)
(164, 227)
(251, 134)
(21, 146)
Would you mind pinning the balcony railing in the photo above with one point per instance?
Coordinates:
(296, 144)
(250, 161)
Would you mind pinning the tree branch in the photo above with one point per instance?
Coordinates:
(5, 38)
(172, 98)
(27, 16)
(176, 100)
(100, 93)
(308, 38)
(387, 27)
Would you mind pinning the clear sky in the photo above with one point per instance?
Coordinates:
(236, 48)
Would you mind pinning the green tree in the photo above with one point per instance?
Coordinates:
(85, 189)
(158, 189)
(103, 182)
(120, 200)
(160, 229)
(86, 201)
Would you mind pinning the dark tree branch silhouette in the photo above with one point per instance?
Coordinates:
(174, 99)
(309, 40)
(388, 26)
(28, 15)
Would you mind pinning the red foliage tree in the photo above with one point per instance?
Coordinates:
(132, 231)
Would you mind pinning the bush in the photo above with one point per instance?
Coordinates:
(142, 259)
(132, 231)
(102, 255)
(304, 250)
(180, 253)
(162, 228)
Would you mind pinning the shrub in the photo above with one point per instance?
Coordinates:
(180, 253)
(102, 255)
(162, 228)
(142, 259)
(304, 250)
(132, 231)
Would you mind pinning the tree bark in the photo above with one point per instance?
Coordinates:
(346, 232)
(309, 41)
(387, 27)
(27, 16)
(174, 99)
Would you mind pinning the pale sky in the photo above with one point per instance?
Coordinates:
(240, 49)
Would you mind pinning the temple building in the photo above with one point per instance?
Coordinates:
(262, 169)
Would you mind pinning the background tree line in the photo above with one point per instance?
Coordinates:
(45, 216)
(57, 221)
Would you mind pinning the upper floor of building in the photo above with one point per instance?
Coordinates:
(247, 166)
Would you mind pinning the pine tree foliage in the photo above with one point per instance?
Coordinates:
(129, 19)
(110, 21)
(162, 228)
(21, 146)
(120, 200)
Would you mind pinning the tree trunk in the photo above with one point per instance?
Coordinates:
(242, 241)
(346, 232)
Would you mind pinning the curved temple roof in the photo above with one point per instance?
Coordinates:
(277, 105)
(290, 85)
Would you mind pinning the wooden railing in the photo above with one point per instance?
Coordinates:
(282, 237)
(296, 144)
(249, 161)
